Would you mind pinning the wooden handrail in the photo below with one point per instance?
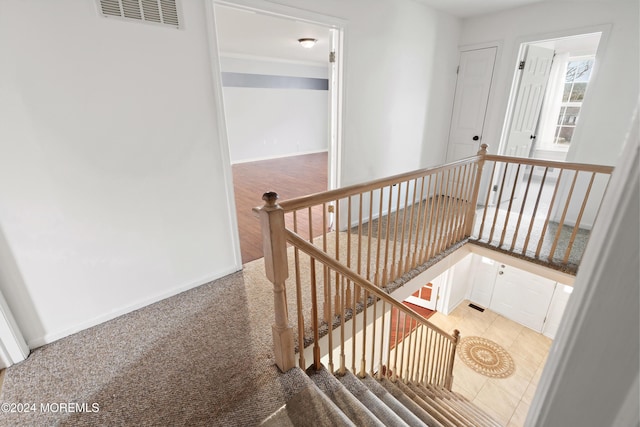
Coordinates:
(584, 167)
(325, 259)
(351, 190)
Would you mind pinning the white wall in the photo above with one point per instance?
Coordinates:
(599, 340)
(613, 92)
(271, 122)
(112, 176)
(400, 62)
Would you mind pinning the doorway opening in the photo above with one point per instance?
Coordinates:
(551, 82)
(281, 101)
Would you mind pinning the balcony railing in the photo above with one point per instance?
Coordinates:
(347, 249)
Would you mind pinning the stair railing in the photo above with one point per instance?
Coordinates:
(352, 246)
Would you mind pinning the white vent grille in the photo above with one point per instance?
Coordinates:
(163, 12)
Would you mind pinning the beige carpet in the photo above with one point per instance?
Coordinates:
(201, 358)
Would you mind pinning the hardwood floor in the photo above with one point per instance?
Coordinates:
(288, 176)
(409, 326)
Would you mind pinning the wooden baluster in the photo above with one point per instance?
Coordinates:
(395, 235)
(400, 271)
(296, 257)
(486, 202)
(432, 356)
(382, 337)
(419, 225)
(385, 271)
(462, 180)
(330, 321)
(359, 265)
(495, 216)
(524, 202)
(325, 270)
(363, 360)
(373, 334)
(468, 196)
(354, 314)
(369, 231)
(343, 305)
(403, 343)
(550, 209)
(398, 317)
(274, 247)
(415, 346)
(576, 226)
(390, 344)
(451, 178)
(508, 215)
(473, 202)
(455, 226)
(427, 206)
(452, 356)
(440, 207)
(377, 278)
(446, 197)
(433, 214)
(349, 295)
(336, 225)
(535, 210)
(420, 356)
(564, 215)
(408, 259)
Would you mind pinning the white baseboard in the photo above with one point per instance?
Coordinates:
(280, 156)
(54, 336)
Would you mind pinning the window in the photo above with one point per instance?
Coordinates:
(575, 86)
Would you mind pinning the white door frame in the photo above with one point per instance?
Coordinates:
(518, 55)
(337, 27)
(13, 348)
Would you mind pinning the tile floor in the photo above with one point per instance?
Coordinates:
(508, 399)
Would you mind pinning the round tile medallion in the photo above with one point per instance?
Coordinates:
(485, 357)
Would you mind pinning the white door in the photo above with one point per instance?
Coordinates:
(470, 102)
(535, 71)
(485, 271)
(522, 296)
(528, 103)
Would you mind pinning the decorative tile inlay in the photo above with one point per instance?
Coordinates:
(486, 357)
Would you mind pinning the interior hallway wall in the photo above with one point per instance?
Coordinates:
(112, 175)
(270, 122)
(400, 70)
(611, 97)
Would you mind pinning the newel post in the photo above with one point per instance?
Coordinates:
(476, 189)
(274, 245)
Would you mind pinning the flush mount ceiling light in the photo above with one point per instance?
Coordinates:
(307, 43)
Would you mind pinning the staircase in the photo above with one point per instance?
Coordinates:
(333, 298)
(319, 398)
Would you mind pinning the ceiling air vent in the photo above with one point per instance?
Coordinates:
(163, 12)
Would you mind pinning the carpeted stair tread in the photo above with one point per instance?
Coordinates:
(342, 398)
(306, 405)
(419, 411)
(371, 401)
(394, 404)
